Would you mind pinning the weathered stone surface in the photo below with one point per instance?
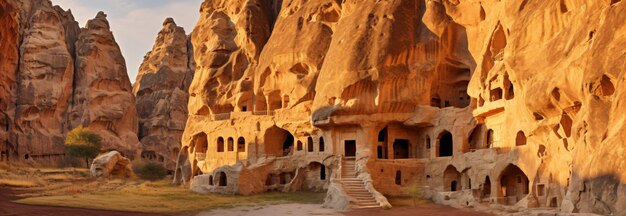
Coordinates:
(111, 164)
(513, 102)
(9, 47)
(44, 80)
(161, 91)
(52, 82)
(102, 100)
(227, 43)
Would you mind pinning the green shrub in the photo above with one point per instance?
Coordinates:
(151, 171)
(84, 143)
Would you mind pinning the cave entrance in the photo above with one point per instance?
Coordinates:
(445, 144)
(401, 149)
(200, 143)
(382, 140)
(513, 185)
(288, 145)
(486, 193)
(451, 178)
(222, 179)
(278, 142)
(350, 148)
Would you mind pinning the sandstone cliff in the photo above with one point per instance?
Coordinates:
(501, 90)
(102, 98)
(161, 90)
(51, 76)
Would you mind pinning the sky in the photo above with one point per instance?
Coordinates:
(135, 23)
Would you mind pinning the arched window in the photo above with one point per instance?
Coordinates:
(490, 139)
(321, 144)
(241, 144)
(398, 177)
(299, 147)
(231, 144)
(223, 181)
(446, 144)
(220, 144)
(309, 144)
(382, 135)
(520, 139)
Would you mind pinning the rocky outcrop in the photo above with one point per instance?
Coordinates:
(513, 102)
(9, 47)
(102, 99)
(44, 80)
(111, 164)
(227, 43)
(48, 72)
(161, 91)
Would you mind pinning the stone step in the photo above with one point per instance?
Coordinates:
(368, 206)
(357, 192)
(353, 179)
(361, 185)
(354, 185)
(367, 199)
(355, 189)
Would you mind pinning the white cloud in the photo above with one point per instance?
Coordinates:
(135, 25)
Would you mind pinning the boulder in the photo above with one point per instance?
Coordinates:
(111, 164)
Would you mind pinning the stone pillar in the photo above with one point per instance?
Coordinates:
(369, 139)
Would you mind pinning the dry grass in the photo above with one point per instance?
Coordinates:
(161, 197)
(74, 188)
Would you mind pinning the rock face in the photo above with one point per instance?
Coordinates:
(161, 91)
(111, 164)
(514, 102)
(52, 76)
(102, 93)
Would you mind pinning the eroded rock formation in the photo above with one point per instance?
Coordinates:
(102, 93)
(51, 76)
(161, 91)
(507, 105)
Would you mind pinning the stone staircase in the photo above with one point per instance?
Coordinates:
(354, 187)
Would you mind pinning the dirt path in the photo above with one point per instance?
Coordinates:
(315, 209)
(292, 209)
(426, 210)
(10, 208)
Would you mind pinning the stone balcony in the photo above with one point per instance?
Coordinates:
(489, 108)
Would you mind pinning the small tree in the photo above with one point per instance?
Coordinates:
(84, 143)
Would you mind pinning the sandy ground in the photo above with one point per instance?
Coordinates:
(315, 209)
(7, 207)
(273, 210)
